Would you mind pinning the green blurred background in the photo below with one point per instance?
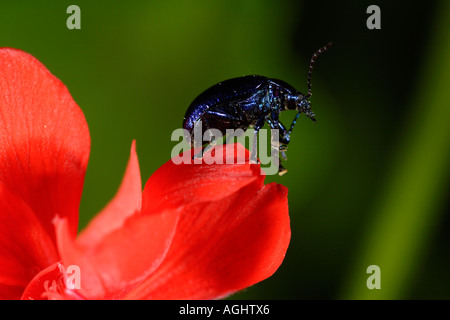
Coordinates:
(368, 183)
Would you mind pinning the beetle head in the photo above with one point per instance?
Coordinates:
(299, 102)
(305, 106)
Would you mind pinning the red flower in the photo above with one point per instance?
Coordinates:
(195, 232)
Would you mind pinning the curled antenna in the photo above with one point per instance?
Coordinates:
(311, 65)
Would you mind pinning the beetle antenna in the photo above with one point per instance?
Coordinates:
(311, 65)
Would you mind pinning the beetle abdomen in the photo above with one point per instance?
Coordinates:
(222, 95)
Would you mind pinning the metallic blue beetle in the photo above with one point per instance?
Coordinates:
(249, 101)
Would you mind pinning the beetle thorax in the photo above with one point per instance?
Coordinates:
(293, 101)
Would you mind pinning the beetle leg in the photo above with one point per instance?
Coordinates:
(281, 170)
(282, 132)
(283, 152)
(279, 147)
(287, 135)
(211, 145)
(199, 155)
(285, 138)
(259, 124)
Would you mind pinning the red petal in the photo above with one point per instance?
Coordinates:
(44, 139)
(175, 185)
(223, 246)
(25, 247)
(126, 202)
(36, 288)
(122, 258)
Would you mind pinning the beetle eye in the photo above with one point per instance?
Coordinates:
(300, 97)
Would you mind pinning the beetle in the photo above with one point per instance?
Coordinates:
(249, 101)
